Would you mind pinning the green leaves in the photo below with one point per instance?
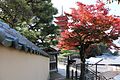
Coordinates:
(29, 34)
(68, 52)
(32, 18)
(15, 11)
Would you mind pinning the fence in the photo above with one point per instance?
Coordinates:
(89, 74)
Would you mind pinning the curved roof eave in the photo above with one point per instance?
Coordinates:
(11, 38)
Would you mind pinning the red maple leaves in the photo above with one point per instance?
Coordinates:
(88, 24)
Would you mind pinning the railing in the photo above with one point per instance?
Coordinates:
(89, 74)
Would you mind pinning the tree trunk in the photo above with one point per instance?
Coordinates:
(68, 68)
(82, 74)
(82, 57)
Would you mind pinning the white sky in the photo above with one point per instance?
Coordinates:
(67, 4)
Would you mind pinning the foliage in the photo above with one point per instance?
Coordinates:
(92, 51)
(87, 22)
(68, 52)
(33, 17)
(48, 35)
(15, 11)
(29, 34)
(88, 25)
(97, 50)
(116, 53)
(111, 1)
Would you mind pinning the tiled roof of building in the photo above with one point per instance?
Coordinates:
(51, 51)
(11, 38)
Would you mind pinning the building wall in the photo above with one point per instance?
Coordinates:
(19, 65)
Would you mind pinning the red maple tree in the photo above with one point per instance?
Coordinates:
(88, 25)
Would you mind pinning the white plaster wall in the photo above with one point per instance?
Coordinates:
(18, 65)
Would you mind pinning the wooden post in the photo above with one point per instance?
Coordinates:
(67, 72)
(96, 71)
(72, 74)
(96, 67)
(68, 69)
(75, 75)
(56, 62)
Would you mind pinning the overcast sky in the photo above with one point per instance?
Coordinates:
(67, 4)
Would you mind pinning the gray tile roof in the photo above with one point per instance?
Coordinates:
(11, 38)
(51, 51)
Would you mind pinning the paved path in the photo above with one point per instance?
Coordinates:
(110, 74)
(62, 69)
(56, 76)
(60, 75)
